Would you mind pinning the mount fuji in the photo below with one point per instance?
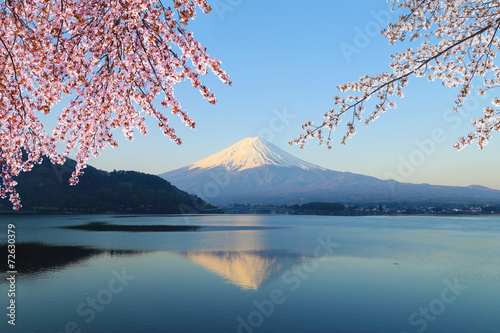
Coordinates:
(256, 171)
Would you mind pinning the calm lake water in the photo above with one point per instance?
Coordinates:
(251, 273)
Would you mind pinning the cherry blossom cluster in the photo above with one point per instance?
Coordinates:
(110, 58)
(458, 46)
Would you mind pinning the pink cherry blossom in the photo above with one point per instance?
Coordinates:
(112, 58)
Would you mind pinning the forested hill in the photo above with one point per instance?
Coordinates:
(46, 189)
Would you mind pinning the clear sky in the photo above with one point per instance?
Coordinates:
(285, 59)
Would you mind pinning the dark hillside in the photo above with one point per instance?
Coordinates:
(46, 189)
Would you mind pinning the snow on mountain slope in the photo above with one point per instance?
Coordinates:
(256, 171)
(251, 153)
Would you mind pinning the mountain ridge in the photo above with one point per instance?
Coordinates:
(255, 171)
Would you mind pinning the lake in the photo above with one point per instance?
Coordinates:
(254, 273)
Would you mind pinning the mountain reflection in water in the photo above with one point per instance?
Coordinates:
(249, 269)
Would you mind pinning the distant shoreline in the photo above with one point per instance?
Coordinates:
(202, 214)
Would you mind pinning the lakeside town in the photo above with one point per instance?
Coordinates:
(326, 208)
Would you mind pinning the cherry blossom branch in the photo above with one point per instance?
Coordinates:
(443, 19)
(108, 56)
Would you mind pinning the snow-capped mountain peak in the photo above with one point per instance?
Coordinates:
(251, 153)
(254, 171)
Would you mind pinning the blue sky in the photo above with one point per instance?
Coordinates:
(285, 59)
